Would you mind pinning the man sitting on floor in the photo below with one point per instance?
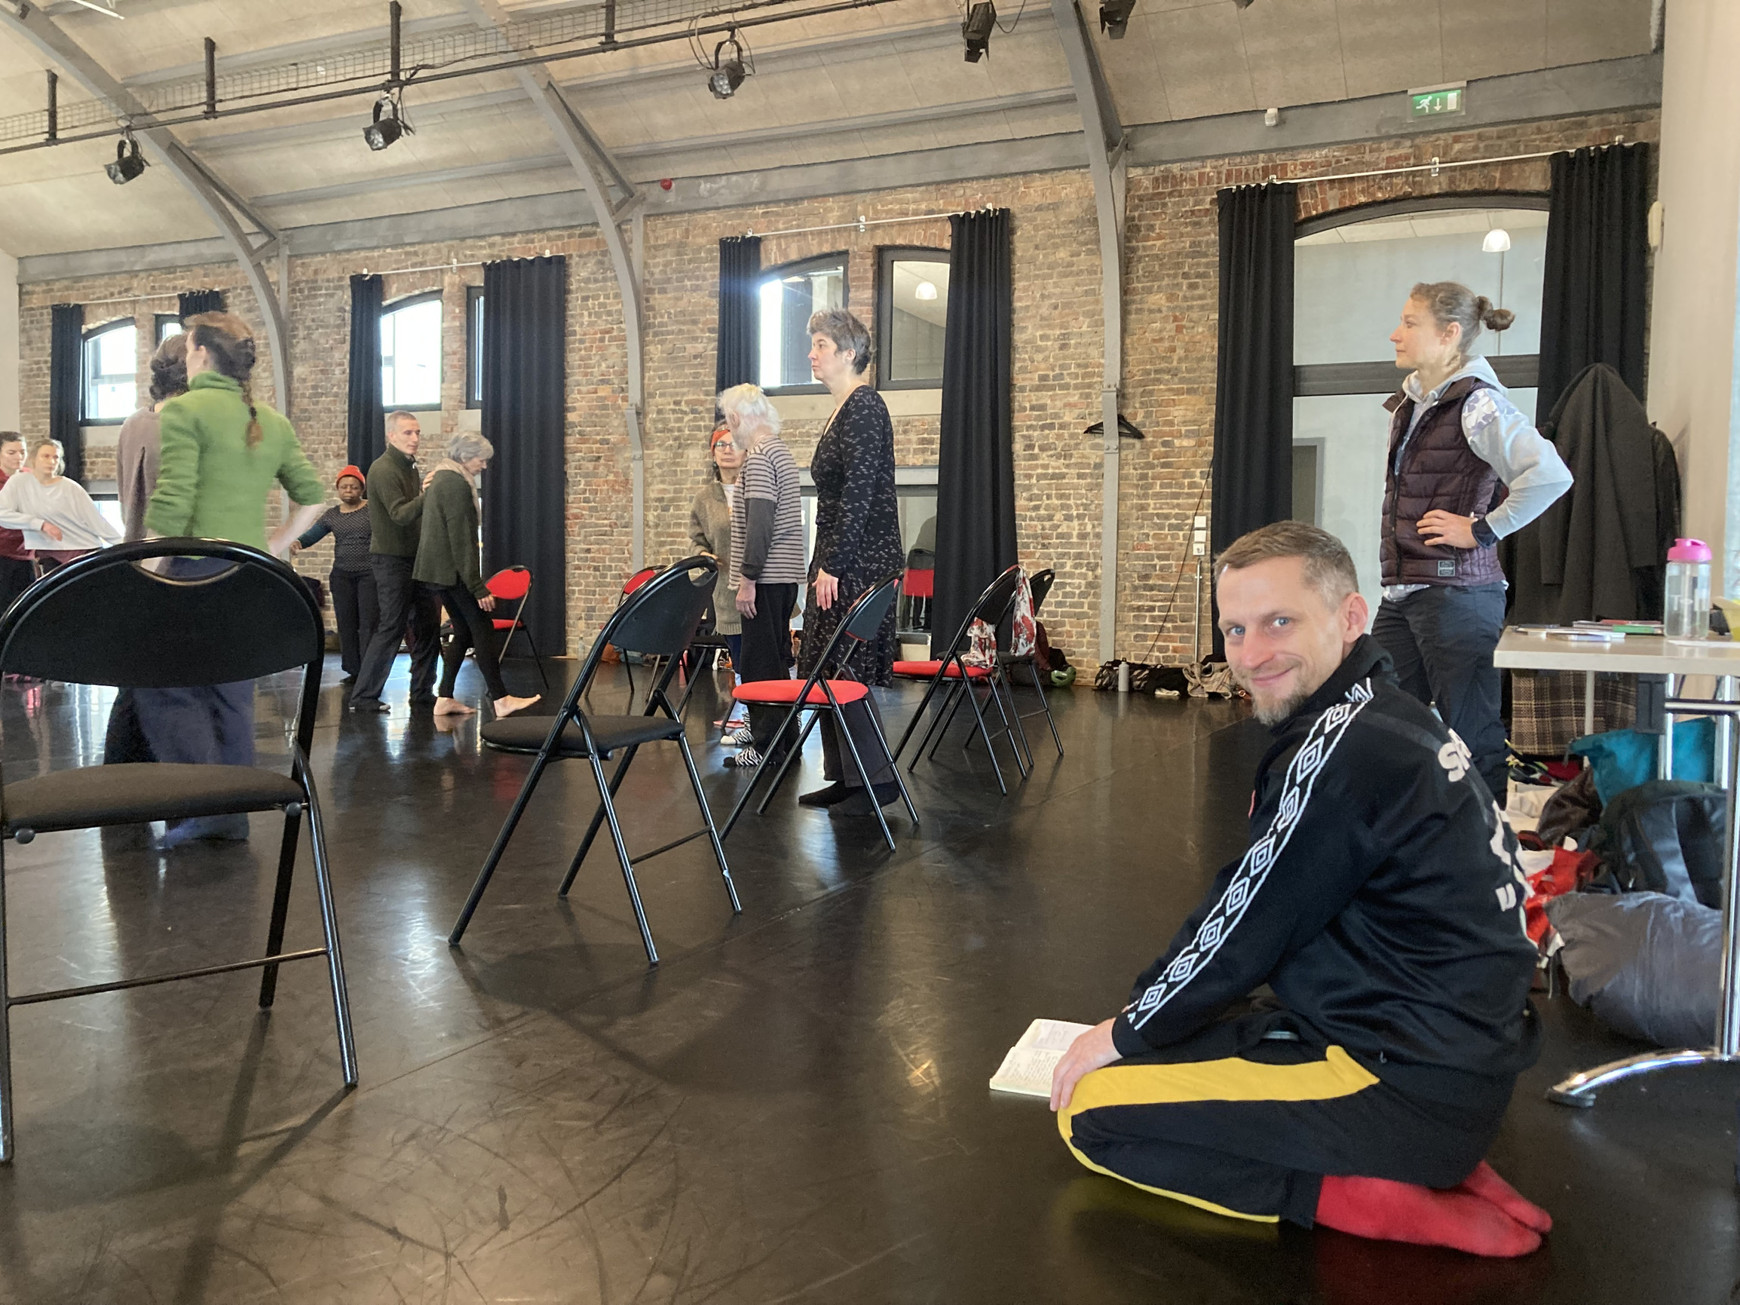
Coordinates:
(1381, 901)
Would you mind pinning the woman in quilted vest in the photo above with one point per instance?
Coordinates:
(1465, 469)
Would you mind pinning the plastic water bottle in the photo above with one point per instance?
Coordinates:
(1688, 590)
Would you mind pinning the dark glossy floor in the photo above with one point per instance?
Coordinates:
(792, 1107)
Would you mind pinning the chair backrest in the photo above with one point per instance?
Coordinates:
(861, 623)
(1040, 585)
(658, 619)
(989, 606)
(638, 579)
(919, 583)
(106, 619)
(510, 583)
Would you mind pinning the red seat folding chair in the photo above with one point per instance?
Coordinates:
(513, 584)
(821, 693)
(963, 680)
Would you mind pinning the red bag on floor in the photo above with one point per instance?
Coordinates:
(1568, 872)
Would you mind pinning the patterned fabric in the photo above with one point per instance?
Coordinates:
(857, 528)
(1302, 773)
(350, 533)
(1546, 709)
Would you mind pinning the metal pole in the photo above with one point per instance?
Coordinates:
(210, 78)
(53, 105)
(394, 13)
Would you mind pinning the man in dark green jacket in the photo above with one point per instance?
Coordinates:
(395, 491)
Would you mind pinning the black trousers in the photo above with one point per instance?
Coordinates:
(473, 629)
(16, 575)
(858, 717)
(766, 654)
(356, 609)
(402, 608)
(1441, 639)
(1246, 1118)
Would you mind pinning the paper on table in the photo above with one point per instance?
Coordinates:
(1026, 1069)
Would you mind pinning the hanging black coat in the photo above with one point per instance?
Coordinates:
(1600, 552)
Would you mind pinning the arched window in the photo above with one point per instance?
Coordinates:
(110, 373)
(411, 353)
(789, 295)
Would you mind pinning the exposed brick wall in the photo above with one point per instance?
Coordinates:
(1169, 363)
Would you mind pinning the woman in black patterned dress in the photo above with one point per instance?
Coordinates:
(857, 544)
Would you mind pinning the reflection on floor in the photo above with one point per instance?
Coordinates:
(792, 1107)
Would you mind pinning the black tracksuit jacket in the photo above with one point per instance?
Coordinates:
(1380, 899)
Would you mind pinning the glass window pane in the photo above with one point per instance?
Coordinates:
(167, 328)
(475, 346)
(920, 293)
(1349, 283)
(1352, 433)
(788, 298)
(110, 374)
(411, 356)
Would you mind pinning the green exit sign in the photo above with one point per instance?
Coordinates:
(1436, 101)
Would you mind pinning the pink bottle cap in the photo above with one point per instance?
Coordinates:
(1689, 550)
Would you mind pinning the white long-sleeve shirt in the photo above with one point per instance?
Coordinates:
(27, 504)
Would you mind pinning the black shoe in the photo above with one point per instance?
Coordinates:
(856, 804)
(369, 706)
(825, 797)
(349, 679)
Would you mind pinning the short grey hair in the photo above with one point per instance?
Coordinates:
(468, 445)
(751, 406)
(1328, 567)
(846, 331)
(399, 418)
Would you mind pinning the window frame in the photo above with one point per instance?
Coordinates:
(473, 346)
(841, 258)
(886, 257)
(89, 337)
(398, 305)
(158, 322)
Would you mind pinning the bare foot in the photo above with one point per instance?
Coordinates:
(451, 707)
(508, 706)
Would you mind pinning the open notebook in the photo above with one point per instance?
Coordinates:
(1026, 1070)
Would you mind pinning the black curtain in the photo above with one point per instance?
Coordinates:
(525, 328)
(66, 350)
(366, 436)
(975, 483)
(1253, 381)
(1592, 296)
(739, 312)
(199, 301)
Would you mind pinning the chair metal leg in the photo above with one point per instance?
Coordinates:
(755, 776)
(1045, 702)
(785, 765)
(985, 733)
(707, 819)
(905, 796)
(329, 927)
(1012, 724)
(863, 774)
(280, 901)
(960, 688)
(533, 645)
(5, 1028)
(652, 955)
(494, 858)
(597, 821)
(929, 693)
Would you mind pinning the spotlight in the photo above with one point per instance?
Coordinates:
(976, 29)
(1115, 16)
(1497, 241)
(924, 290)
(129, 162)
(388, 124)
(728, 71)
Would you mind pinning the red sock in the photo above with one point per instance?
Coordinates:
(1485, 1183)
(1404, 1212)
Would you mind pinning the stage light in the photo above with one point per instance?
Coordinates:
(387, 125)
(1115, 16)
(1496, 242)
(924, 290)
(728, 71)
(129, 162)
(976, 29)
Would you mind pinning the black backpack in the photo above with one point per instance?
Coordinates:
(1665, 836)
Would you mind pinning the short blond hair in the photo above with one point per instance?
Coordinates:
(1329, 567)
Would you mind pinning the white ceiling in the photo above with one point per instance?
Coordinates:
(857, 84)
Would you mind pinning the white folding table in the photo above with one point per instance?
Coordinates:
(1676, 659)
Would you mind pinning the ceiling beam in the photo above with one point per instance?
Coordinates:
(221, 204)
(1106, 164)
(601, 176)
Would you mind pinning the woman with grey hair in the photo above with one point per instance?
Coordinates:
(857, 545)
(448, 568)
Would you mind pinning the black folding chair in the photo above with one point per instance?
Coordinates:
(106, 619)
(1039, 585)
(658, 618)
(820, 694)
(992, 606)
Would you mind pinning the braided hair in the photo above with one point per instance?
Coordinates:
(230, 343)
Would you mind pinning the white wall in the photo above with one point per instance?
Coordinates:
(1692, 343)
(8, 342)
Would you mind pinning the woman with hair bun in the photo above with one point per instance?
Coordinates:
(1465, 469)
(220, 453)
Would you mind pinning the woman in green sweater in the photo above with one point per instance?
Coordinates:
(448, 567)
(221, 453)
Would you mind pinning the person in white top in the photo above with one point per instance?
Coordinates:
(57, 517)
